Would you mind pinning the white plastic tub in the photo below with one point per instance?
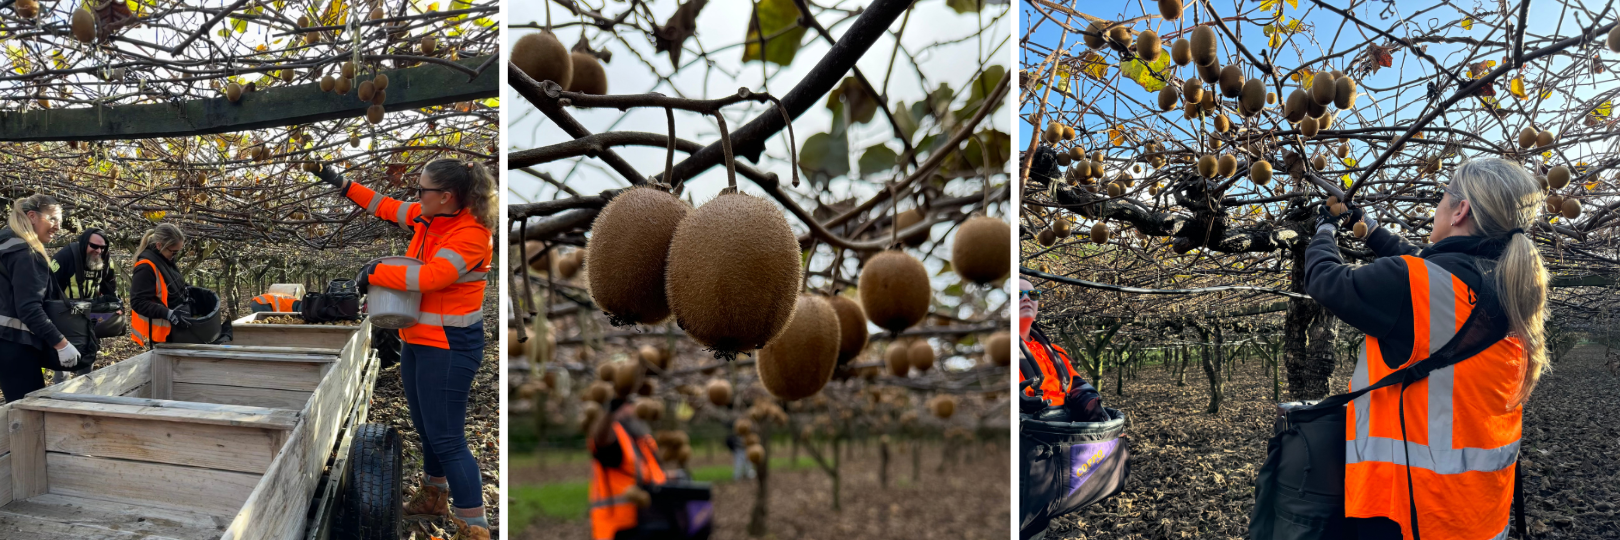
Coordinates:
(393, 308)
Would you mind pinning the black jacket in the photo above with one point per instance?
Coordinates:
(143, 293)
(25, 285)
(71, 270)
(1377, 299)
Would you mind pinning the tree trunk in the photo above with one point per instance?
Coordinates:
(1213, 361)
(762, 475)
(1307, 340)
(883, 463)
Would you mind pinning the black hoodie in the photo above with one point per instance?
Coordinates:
(25, 285)
(143, 293)
(71, 268)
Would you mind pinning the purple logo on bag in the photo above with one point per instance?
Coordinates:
(698, 514)
(1085, 458)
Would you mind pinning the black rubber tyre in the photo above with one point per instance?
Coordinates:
(369, 506)
(388, 345)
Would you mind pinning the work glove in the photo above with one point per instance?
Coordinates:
(331, 177)
(1028, 404)
(363, 281)
(67, 356)
(1084, 404)
(178, 317)
(1325, 218)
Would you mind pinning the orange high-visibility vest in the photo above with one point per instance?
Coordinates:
(1052, 388)
(611, 512)
(1462, 439)
(277, 302)
(457, 251)
(159, 329)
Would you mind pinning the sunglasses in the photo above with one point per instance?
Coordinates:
(1032, 294)
(98, 247)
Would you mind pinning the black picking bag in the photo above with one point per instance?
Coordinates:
(340, 302)
(680, 510)
(72, 319)
(1068, 466)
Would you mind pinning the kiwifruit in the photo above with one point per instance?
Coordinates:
(1120, 35)
(1203, 45)
(1555, 203)
(1227, 165)
(590, 413)
(1062, 227)
(627, 377)
(1344, 93)
(1314, 109)
(374, 114)
(894, 290)
(543, 58)
(1338, 209)
(1343, 151)
(288, 74)
(1319, 162)
(1148, 46)
(649, 410)
(851, 327)
(1069, 133)
(647, 388)
(981, 251)
(429, 45)
(920, 354)
(380, 81)
(1294, 108)
(944, 407)
(1099, 233)
(26, 9)
(896, 358)
(719, 392)
(733, 273)
(376, 13)
(1308, 127)
(904, 220)
(1098, 168)
(1527, 137)
(1252, 97)
(630, 239)
(1558, 177)
(1053, 133)
(347, 70)
(1271, 97)
(1323, 89)
(743, 427)
(1207, 165)
(1210, 73)
(1192, 110)
(1324, 122)
(328, 83)
(1614, 39)
(998, 348)
(568, 265)
(1359, 229)
(1094, 34)
(1208, 104)
(650, 356)
(233, 92)
(1062, 161)
(379, 97)
(1571, 208)
(1545, 138)
(1171, 10)
(1232, 80)
(1260, 172)
(1222, 123)
(367, 89)
(589, 77)
(1115, 189)
(84, 24)
(1046, 237)
(799, 362)
(599, 392)
(344, 84)
(756, 455)
(1181, 52)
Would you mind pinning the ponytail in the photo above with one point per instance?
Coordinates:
(473, 186)
(1503, 197)
(165, 234)
(18, 219)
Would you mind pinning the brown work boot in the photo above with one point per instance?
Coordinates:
(430, 500)
(468, 532)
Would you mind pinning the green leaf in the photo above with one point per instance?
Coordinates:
(877, 160)
(1137, 71)
(903, 119)
(824, 157)
(954, 289)
(981, 88)
(965, 6)
(772, 17)
(861, 104)
(999, 144)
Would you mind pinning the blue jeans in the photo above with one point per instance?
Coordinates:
(437, 382)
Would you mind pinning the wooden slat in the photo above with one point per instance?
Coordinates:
(275, 419)
(146, 521)
(142, 391)
(243, 449)
(279, 375)
(305, 335)
(162, 385)
(410, 88)
(27, 452)
(5, 479)
(247, 348)
(238, 395)
(151, 484)
(113, 380)
(5, 434)
(252, 356)
(21, 526)
(163, 403)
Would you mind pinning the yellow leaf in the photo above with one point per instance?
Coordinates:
(1603, 110)
(1467, 23)
(1293, 4)
(1546, 93)
(1117, 137)
(1093, 65)
(1346, 180)
(1275, 40)
(1516, 87)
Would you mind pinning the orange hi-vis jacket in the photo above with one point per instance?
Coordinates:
(1054, 389)
(611, 511)
(1461, 436)
(159, 328)
(457, 251)
(277, 302)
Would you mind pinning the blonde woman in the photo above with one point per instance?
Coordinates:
(1435, 458)
(28, 339)
(157, 289)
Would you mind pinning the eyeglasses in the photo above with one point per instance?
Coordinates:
(98, 247)
(419, 190)
(1032, 294)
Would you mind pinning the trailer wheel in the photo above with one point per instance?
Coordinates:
(369, 507)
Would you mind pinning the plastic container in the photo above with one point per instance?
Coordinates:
(206, 320)
(393, 308)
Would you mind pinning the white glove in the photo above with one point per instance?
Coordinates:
(68, 356)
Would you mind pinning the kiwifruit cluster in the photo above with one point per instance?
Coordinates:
(719, 392)
(998, 348)
(543, 57)
(630, 241)
(649, 410)
(852, 333)
(1530, 138)
(674, 447)
(1056, 131)
(894, 290)
(799, 362)
(733, 273)
(920, 355)
(1307, 106)
(981, 251)
(589, 77)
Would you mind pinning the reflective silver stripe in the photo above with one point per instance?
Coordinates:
(13, 322)
(413, 281)
(376, 200)
(471, 277)
(1442, 328)
(11, 244)
(1363, 404)
(458, 321)
(160, 323)
(1504, 533)
(403, 215)
(611, 501)
(1441, 461)
(454, 258)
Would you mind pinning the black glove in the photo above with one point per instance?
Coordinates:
(1325, 217)
(363, 281)
(1084, 403)
(1028, 404)
(178, 317)
(331, 176)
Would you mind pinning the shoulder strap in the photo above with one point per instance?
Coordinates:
(1451, 353)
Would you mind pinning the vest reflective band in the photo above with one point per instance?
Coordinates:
(160, 328)
(611, 512)
(277, 302)
(1052, 389)
(1461, 438)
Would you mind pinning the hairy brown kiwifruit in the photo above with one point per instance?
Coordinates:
(1343, 151)
(649, 410)
(343, 86)
(894, 290)
(627, 377)
(1232, 81)
(1046, 237)
(1227, 165)
(328, 83)
(1068, 133)
(1252, 97)
(733, 274)
(1171, 10)
(380, 81)
(1098, 168)
(756, 455)
(599, 392)
(1120, 35)
(347, 69)
(1260, 172)
(1319, 162)
(1359, 229)
(719, 392)
(743, 427)
(1527, 137)
(591, 412)
(1094, 34)
(1545, 138)
(1203, 45)
(1062, 227)
(1555, 203)
(543, 58)
(84, 24)
(905, 220)
(605, 371)
(851, 327)
(379, 97)
(27, 9)
(1148, 46)
(650, 356)
(1099, 233)
(429, 45)
(1191, 110)
(376, 13)
(1324, 122)
(1271, 97)
(799, 362)
(233, 92)
(1294, 107)
(630, 241)
(944, 407)
(1558, 177)
(1338, 209)
(1308, 127)
(1053, 133)
(589, 77)
(1322, 89)
(568, 265)
(896, 358)
(1062, 161)
(998, 348)
(1181, 52)
(1344, 93)
(920, 354)
(1208, 104)
(1192, 91)
(1314, 109)
(1571, 208)
(366, 91)
(1115, 189)
(1211, 74)
(1207, 165)
(981, 251)
(1222, 123)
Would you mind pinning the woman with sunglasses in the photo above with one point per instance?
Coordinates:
(451, 228)
(1435, 458)
(84, 272)
(1049, 387)
(157, 290)
(28, 338)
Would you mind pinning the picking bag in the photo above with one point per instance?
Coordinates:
(680, 510)
(1068, 466)
(206, 320)
(72, 320)
(340, 302)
